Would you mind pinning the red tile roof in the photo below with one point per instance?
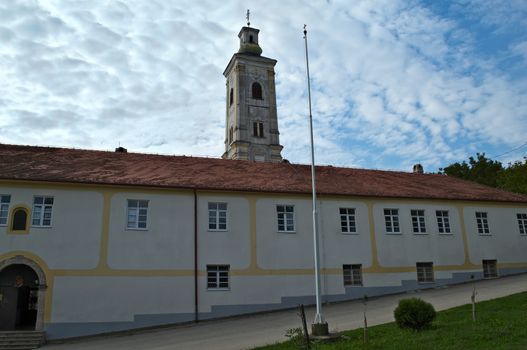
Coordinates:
(135, 169)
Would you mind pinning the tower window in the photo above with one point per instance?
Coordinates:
(231, 134)
(258, 129)
(257, 91)
(250, 38)
(231, 97)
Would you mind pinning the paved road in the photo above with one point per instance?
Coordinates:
(246, 332)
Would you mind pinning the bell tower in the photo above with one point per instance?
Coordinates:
(251, 126)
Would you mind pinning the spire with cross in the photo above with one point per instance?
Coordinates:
(247, 17)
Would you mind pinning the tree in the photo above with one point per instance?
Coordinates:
(490, 172)
(481, 170)
(514, 177)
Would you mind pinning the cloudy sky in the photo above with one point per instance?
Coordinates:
(394, 82)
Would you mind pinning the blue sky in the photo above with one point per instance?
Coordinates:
(395, 82)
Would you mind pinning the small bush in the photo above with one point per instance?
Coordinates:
(296, 337)
(414, 313)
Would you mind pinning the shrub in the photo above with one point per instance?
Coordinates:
(296, 337)
(414, 313)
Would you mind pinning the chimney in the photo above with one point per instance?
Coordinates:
(418, 169)
(121, 150)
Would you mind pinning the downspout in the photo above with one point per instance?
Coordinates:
(196, 309)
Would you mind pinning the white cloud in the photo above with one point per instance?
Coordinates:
(391, 80)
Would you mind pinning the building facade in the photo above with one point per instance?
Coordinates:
(94, 242)
(109, 253)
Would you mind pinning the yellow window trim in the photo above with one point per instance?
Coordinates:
(12, 218)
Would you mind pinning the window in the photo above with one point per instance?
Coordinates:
(218, 277)
(19, 222)
(218, 216)
(443, 223)
(231, 134)
(522, 223)
(286, 218)
(418, 221)
(258, 129)
(490, 268)
(231, 97)
(347, 220)
(42, 209)
(391, 218)
(352, 275)
(425, 272)
(137, 214)
(256, 91)
(482, 222)
(5, 199)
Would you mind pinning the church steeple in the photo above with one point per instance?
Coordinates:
(251, 126)
(249, 41)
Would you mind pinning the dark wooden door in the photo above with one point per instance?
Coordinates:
(8, 308)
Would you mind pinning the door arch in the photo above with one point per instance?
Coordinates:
(22, 288)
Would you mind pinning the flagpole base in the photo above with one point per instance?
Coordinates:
(320, 329)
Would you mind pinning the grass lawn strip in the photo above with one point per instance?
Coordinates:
(501, 324)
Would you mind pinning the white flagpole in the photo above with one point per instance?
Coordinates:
(319, 318)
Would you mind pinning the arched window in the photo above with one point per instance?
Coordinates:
(257, 91)
(19, 222)
(231, 134)
(250, 38)
(231, 97)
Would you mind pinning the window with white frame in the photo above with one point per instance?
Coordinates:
(5, 199)
(522, 223)
(490, 268)
(137, 214)
(218, 216)
(391, 218)
(352, 275)
(42, 211)
(425, 272)
(418, 220)
(286, 218)
(443, 222)
(218, 277)
(482, 223)
(347, 220)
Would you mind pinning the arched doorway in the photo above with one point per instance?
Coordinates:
(22, 287)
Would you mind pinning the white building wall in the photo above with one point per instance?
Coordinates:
(504, 243)
(118, 298)
(406, 248)
(343, 248)
(231, 247)
(168, 241)
(123, 292)
(72, 241)
(284, 250)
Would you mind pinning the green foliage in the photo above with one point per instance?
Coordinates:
(514, 177)
(491, 173)
(501, 326)
(414, 313)
(480, 169)
(296, 338)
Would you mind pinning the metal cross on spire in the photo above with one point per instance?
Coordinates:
(247, 17)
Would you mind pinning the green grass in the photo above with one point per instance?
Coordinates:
(501, 324)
